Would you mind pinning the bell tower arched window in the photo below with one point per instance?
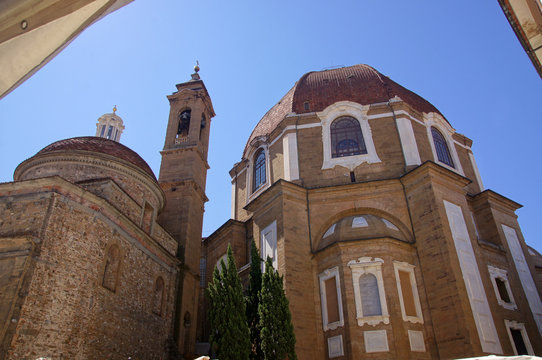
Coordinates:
(259, 175)
(441, 148)
(346, 138)
(184, 123)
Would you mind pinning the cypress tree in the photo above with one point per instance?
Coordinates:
(230, 336)
(277, 332)
(253, 319)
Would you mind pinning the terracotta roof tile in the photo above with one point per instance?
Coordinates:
(357, 83)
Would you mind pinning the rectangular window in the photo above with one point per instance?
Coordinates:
(369, 295)
(518, 338)
(330, 297)
(503, 293)
(408, 292)
(268, 243)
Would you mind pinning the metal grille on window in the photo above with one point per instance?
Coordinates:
(443, 153)
(259, 170)
(346, 138)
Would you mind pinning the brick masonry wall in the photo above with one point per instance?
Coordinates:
(65, 312)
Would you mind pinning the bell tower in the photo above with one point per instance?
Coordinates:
(183, 173)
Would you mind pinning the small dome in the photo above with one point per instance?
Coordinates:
(361, 227)
(87, 159)
(317, 90)
(100, 145)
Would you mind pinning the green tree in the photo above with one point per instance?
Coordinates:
(230, 336)
(254, 286)
(277, 332)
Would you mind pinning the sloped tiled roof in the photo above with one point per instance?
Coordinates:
(358, 83)
(99, 145)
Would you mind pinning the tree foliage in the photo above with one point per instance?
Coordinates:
(276, 329)
(230, 337)
(254, 287)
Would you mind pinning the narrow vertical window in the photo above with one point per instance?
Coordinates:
(111, 268)
(370, 298)
(368, 283)
(501, 286)
(503, 292)
(332, 301)
(268, 243)
(259, 170)
(346, 138)
(109, 132)
(147, 219)
(202, 126)
(518, 338)
(408, 296)
(158, 296)
(103, 131)
(184, 123)
(441, 148)
(408, 292)
(330, 297)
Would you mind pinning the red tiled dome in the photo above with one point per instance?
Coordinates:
(100, 145)
(358, 83)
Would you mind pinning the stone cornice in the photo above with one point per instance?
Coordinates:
(494, 198)
(199, 92)
(224, 228)
(435, 171)
(190, 147)
(186, 182)
(89, 201)
(278, 188)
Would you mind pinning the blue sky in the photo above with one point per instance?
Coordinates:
(462, 56)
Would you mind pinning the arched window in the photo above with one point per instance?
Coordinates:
(370, 297)
(184, 123)
(158, 296)
(346, 138)
(259, 170)
(111, 268)
(203, 124)
(441, 148)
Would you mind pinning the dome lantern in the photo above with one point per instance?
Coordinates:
(110, 126)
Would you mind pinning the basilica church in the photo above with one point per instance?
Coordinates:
(363, 194)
